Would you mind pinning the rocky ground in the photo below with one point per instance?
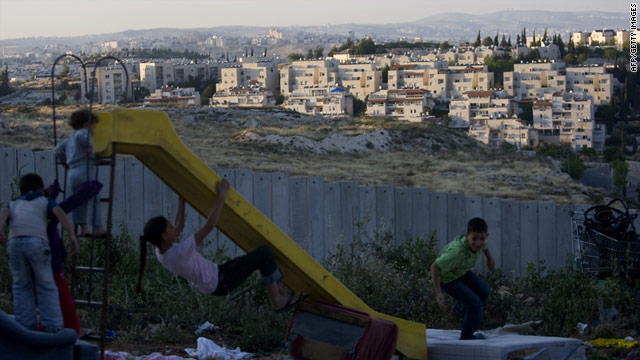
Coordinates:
(366, 151)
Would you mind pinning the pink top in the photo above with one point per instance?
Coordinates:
(183, 259)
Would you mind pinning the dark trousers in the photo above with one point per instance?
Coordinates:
(470, 293)
(232, 273)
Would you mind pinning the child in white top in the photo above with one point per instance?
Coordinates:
(183, 259)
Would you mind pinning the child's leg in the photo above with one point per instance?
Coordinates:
(479, 286)
(77, 176)
(48, 301)
(67, 306)
(232, 273)
(23, 302)
(472, 304)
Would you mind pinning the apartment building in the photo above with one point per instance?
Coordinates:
(592, 81)
(263, 74)
(110, 84)
(602, 36)
(184, 71)
(535, 79)
(412, 75)
(510, 130)
(580, 38)
(243, 97)
(478, 107)
(362, 79)
(326, 101)
(568, 118)
(171, 95)
(297, 75)
(454, 81)
(156, 75)
(401, 104)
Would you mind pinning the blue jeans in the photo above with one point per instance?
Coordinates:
(77, 177)
(32, 256)
(469, 291)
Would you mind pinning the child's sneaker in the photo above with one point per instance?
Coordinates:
(478, 336)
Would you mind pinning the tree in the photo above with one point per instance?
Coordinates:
(385, 74)
(620, 171)
(140, 93)
(208, 91)
(495, 39)
(64, 72)
(503, 42)
(5, 85)
(444, 45)
(518, 39)
(309, 54)
(544, 36)
(487, 41)
(499, 65)
(365, 46)
(478, 41)
(574, 167)
(251, 52)
(295, 56)
(332, 51)
(524, 35)
(318, 53)
(279, 98)
(509, 41)
(527, 112)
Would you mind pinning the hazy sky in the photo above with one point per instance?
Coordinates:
(25, 18)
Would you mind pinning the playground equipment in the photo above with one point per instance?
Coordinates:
(149, 136)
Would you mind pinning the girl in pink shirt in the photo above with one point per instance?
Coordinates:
(184, 260)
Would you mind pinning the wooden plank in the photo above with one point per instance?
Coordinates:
(385, 209)
(403, 207)
(298, 212)
(438, 217)
(528, 235)
(367, 212)
(510, 210)
(315, 214)
(8, 171)
(280, 201)
(547, 227)
(420, 213)
(492, 210)
(349, 211)
(564, 238)
(332, 218)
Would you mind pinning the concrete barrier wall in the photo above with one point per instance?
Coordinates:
(319, 216)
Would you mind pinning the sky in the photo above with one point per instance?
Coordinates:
(27, 18)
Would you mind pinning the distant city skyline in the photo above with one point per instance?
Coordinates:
(34, 18)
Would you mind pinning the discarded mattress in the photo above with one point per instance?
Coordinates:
(444, 345)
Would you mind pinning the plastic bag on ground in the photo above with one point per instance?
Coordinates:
(207, 349)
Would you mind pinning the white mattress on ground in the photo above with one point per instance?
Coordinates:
(444, 345)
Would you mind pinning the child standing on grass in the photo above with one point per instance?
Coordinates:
(30, 254)
(452, 273)
(183, 259)
(77, 153)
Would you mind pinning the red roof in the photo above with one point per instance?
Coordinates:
(542, 104)
(403, 67)
(407, 91)
(479, 93)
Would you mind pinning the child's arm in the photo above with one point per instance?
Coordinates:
(491, 264)
(435, 277)
(67, 226)
(179, 222)
(4, 215)
(222, 188)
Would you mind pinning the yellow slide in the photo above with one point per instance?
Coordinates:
(149, 136)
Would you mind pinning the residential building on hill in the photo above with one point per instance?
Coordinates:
(401, 104)
(243, 97)
(171, 95)
(327, 101)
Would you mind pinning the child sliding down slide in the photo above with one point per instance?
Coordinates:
(183, 259)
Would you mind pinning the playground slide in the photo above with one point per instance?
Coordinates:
(150, 137)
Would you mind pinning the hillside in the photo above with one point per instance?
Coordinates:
(365, 151)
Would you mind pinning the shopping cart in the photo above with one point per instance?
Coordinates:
(601, 255)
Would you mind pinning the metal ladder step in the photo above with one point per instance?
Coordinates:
(89, 269)
(95, 304)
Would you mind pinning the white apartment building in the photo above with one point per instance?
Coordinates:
(412, 75)
(592, 81)
(580, 38)
(454, 81)
(602, 36)
(171, 95)
(478, 107)
(535, 79)
(182, 72)
(262, 74)
(327, 101)
(297, 75)
(568, 118)
(362, 79)
(156, 75)
(243, 97)
(110, 84)
(405, 104)
(498, 131)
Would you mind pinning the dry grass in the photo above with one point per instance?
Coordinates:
(420, 155)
